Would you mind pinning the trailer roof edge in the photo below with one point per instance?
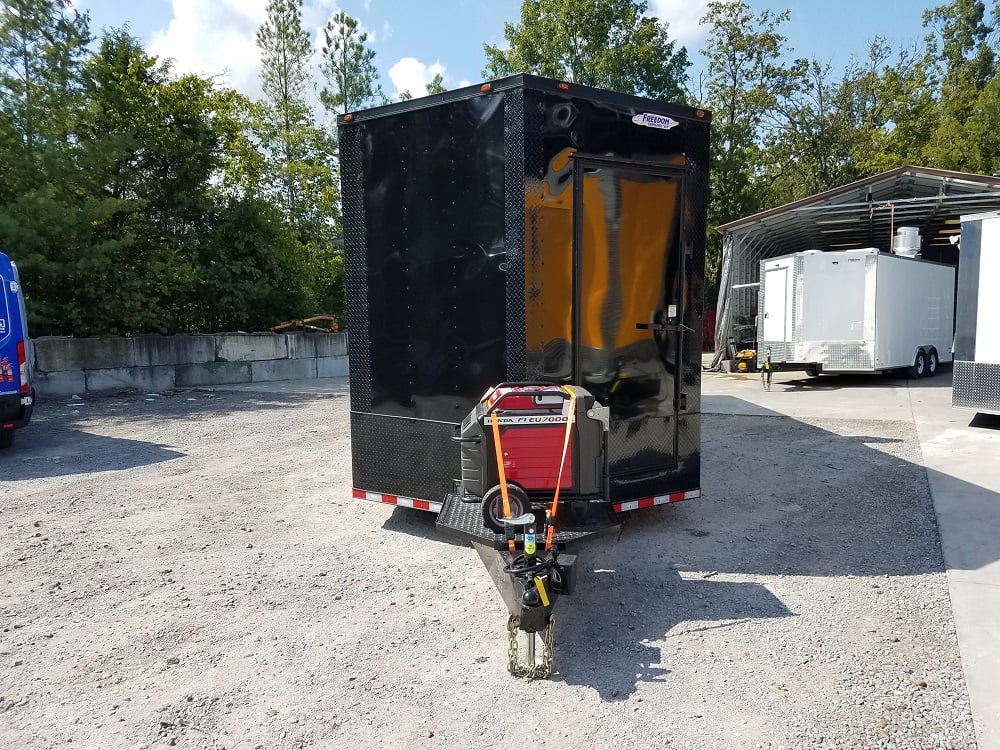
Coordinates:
(538, 83)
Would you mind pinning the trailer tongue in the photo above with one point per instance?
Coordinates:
(525, 266)
(534, 481)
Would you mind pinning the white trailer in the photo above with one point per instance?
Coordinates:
(976, 383)
(855, 311)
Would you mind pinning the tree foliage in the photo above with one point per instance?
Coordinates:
(285, 52)
(611, 44)
(748, 83)
(348, 65)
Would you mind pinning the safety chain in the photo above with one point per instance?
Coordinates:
(531, 671)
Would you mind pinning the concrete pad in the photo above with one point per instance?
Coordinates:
(963, 471)
(794, 394)
(977, 619)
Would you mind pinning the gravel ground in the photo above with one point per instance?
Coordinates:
(189, 570)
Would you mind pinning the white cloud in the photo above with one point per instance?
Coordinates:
(683, 17)
(218, 38)
(409, 74)
(214, 37)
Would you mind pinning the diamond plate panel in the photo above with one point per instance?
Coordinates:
(352, 193)
(514, 212)
(976, 385)
(836, 355)
(963, 384)
(402, 456)
(986, 386)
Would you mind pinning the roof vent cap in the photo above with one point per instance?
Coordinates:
(906, 242)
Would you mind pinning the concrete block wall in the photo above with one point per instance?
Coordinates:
(68, 366)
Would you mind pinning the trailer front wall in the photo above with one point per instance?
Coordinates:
(459, 218)
(976, 382)
(424, 219)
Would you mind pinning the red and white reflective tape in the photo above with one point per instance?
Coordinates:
(649, 502)
(406, 502)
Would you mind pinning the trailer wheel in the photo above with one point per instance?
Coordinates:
(919, 367)
(813, 371)
(493, 505)
(932, 362)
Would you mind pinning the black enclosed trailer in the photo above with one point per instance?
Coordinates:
(525, 230)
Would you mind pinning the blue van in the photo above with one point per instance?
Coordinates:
(17, 396)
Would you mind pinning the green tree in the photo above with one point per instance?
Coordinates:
(348, 65)
(43, 44)
(285, 52)
(43, 220)
(804, 152)
(961, 57)
(886, 110)
(251, 267)
(303, 156)
(747, 81)
(611, 44)
(436, 86)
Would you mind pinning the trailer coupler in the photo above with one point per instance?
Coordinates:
(530, 583)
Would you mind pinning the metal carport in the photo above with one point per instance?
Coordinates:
(865, 213)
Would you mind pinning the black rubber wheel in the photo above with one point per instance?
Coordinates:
(919, 367)
(932, 362)
(6, 438)
(493, 505)
(813, 371)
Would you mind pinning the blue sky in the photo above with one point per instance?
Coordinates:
(413, 40)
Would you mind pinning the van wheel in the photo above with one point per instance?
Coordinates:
(932, 362)
(6, 438)
(919, 367)
(813, 371)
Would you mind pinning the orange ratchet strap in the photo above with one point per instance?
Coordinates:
(551, 531)
(502, 472)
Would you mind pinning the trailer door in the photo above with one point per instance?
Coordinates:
(776, 307)
(627, 305)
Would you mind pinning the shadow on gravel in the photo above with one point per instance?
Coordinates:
(421, 524)
(58, 442)
(604, 632)
(181, 404)
(65, 451)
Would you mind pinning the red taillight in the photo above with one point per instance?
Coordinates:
(22, 366)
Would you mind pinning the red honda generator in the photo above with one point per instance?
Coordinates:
(533, 439)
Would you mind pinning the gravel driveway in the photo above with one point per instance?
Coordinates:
(190, 570)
